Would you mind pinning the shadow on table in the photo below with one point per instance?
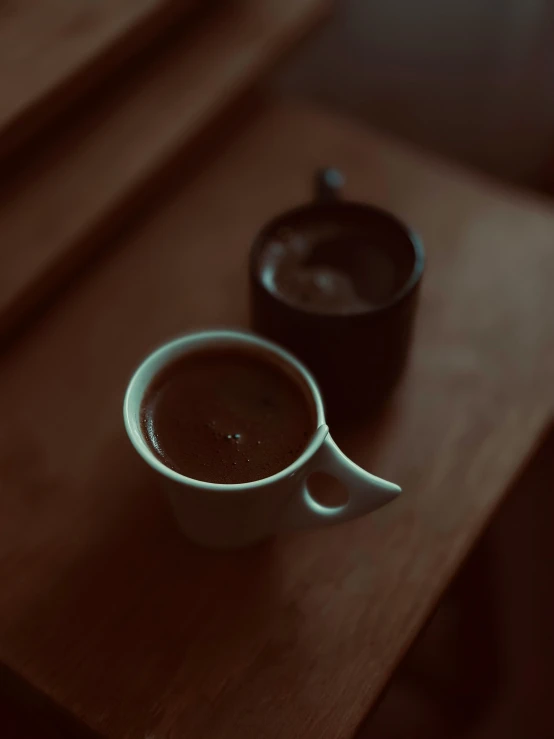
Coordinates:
(482, 668)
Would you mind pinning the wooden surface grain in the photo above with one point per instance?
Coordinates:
(26, 713)
(108, 610)
(62, 202)
(51, 51)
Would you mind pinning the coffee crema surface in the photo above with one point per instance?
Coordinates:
(331, 268)
(226, 415)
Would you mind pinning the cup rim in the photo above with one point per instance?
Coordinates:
(154, 362)
(281, 220)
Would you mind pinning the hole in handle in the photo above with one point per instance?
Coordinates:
(327, 490)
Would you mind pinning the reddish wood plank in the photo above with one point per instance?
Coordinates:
(108, 610)
(26, 713)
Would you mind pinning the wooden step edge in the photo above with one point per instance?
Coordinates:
(34, 110)
(28, 712)
(81, 187)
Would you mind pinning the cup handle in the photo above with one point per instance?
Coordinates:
(366, 492)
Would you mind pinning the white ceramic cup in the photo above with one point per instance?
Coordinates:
(230, 516)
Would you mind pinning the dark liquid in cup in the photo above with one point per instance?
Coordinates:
(333, 268)
(226, 416)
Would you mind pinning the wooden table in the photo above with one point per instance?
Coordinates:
(108, 610)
